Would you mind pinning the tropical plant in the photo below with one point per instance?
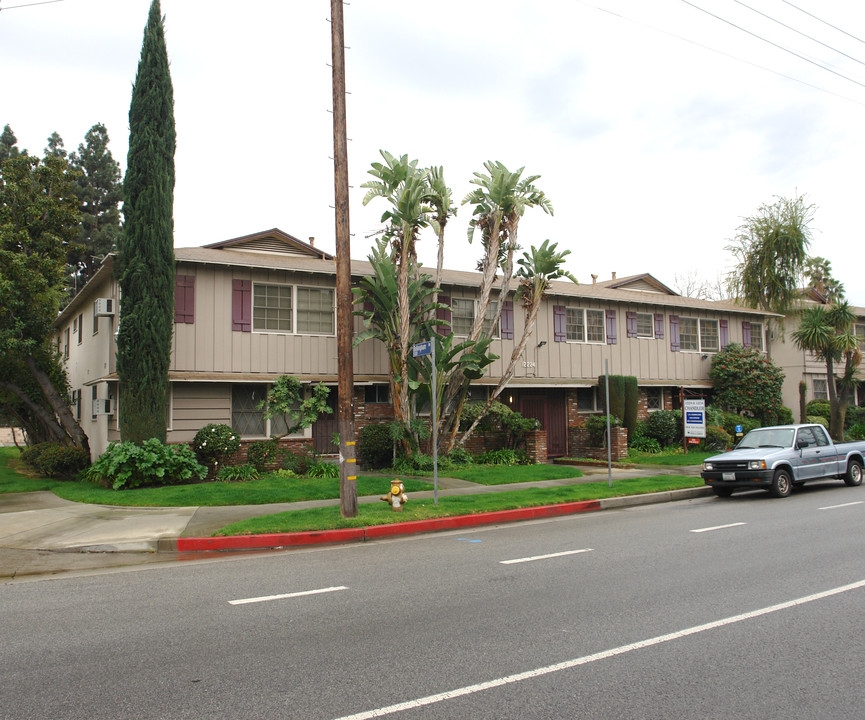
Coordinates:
(287, 401)
(237, 473)
(818, 272)
(829, 335)
(127, 465)
(770, 251)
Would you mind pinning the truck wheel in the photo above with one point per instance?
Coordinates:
(854, 473)
(781, 483)
(722, 491)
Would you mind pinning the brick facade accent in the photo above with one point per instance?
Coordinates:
(578, 443)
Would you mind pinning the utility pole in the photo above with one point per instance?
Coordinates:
(344, 318)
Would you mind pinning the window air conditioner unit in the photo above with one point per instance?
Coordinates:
(103, 307)
(102, 406)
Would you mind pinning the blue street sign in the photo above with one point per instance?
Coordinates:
(422, 348)
(739, 429)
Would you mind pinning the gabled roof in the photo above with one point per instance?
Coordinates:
(273, 241)
(644, 282)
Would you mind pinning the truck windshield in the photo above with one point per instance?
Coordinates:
(768, 437)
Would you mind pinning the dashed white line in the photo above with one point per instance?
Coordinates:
(544, 557)
(718, 527)
(833, 507)
(266, 598)
(586, 659)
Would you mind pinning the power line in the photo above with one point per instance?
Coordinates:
(799, 32)
(823, 21)
(44, 2)
(774, 44)
(720, 52)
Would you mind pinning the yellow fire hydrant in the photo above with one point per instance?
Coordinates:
(396, 497)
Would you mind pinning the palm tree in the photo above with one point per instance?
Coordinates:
(828, 334)
(537, 270)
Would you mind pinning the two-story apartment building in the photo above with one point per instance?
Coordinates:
(253, 308)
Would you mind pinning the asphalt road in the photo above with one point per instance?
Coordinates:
(747, 607)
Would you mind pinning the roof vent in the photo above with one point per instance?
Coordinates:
(614, 274)
(312, 241)
(594, 278)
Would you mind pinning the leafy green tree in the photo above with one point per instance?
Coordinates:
(146, 261)
(38, 220)
(100, 190)
(286, 399)
(746, 381)
(55, 146)
(8, 144)
(829, 335)
(770, 252)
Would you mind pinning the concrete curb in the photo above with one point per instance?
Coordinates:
(275, 541)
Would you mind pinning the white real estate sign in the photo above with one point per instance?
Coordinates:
(695, 418)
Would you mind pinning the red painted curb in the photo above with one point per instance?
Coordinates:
(324, 537)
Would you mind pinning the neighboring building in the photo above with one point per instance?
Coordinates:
(253, 308)
(800, 365)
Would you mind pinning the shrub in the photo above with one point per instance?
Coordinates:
(322, 469)
(460, 456)
(745, 380)
(818, 420)
(286, 473)
(665, 426)
(717, 439)
(503, 456)
(414, 463)
(785, 416)
(214, 444)
(729, 421)
(262, 453)
(856, 432)
(499, 417)
(646, 445)
(855, 416)
(127, 465)
(817, 408)
(56, 460)
(237, 473)
(296, 462)
(596, 426)
(375, 445)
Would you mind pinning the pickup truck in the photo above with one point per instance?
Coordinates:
(782, 457)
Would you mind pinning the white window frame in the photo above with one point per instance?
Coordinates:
(268, 422)
(468, 319)
(761, 346)
(660, 399)
(823, 392)
(651, 334)
(701, 323)
(294, 311)
(708, 323)
(695, 334)
(575, 316)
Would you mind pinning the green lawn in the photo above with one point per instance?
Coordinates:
(694, 457)
(267, 489)
(506, 474)
(328, 518)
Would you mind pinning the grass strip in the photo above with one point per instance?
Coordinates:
(506, 474)
(369, 514)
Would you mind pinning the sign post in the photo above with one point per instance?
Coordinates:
(428, 347)
(694, 416)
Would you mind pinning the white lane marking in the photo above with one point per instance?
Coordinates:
(832, 507)
(544, 557)
(266, 598)
(586, 659)
(718, 527)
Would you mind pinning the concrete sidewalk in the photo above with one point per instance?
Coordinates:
(41, 533)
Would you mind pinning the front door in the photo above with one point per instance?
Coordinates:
(550, 408)
(325, 427)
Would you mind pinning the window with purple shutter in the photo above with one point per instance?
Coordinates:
(746, 334)
(184, 298)
(659, 325)
(560, 323)
(631, 324)
(674, 333)
(444, 314)
(611, 327)
(507, 321)
(724, 331)
(241, 305)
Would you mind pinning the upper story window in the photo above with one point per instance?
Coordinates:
(645, 325)
(585, 325)
(859, 329)
(282, 308)
(757, 336)
(699, 335)
(463, 317)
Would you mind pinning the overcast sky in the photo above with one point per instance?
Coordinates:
(656, 127)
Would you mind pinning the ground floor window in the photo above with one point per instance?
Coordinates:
(587, 399)
(654, 399)
(246, 417)
(820, 388)
(376, 394)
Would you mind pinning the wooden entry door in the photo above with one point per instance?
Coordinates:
(548, 406)
(324, 428)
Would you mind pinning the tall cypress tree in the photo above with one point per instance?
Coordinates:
(146, 262)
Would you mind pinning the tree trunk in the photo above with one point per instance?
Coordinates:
(836, 431)
(46, 419)
(61, 409)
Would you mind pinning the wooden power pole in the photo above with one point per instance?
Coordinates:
(344, 318)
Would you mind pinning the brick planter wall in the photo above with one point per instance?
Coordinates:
(298, 446)
(578, 443)
(536, 445)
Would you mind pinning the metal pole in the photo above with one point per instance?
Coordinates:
(609, 439)
(435, 419)
(344, 319)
